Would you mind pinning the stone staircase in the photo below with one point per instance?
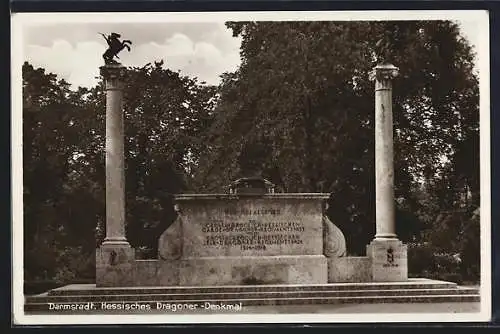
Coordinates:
(412, 291)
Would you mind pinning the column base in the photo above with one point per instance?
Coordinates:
(115, 264)
(389, 260)
(386, 236)
(118, 242)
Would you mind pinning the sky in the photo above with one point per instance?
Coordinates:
(73, 50)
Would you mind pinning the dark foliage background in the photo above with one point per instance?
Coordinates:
(301, 107)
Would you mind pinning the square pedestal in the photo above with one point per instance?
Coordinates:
(389, 260)
(115, 265)
(312, 269)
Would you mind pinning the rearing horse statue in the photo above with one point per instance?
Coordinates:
(115, 46)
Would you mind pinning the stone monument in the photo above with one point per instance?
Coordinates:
(247, 236)
(250, 245)
(250, 234)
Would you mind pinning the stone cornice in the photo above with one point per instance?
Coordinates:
(194, 197)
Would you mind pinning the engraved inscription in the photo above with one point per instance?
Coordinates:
(252, 239)
(246, 212)
(252, 234)
(252, 226)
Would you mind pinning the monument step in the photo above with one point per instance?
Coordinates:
(156, 305)
(47, 298)
(91, 289)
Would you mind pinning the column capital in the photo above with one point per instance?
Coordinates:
(384, 72)
(113, 75)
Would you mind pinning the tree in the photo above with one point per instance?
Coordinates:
(303, 90)
(166, 117)
(64, 163)
(52, 134)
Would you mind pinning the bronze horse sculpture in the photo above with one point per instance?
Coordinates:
(114, 47)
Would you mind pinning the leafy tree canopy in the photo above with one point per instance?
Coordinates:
(303, 92)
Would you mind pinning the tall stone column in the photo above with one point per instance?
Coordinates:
(384, 161)
(387, 253)
(115, 259)
(115, 174)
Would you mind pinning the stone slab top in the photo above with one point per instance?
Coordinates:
(188, 197)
